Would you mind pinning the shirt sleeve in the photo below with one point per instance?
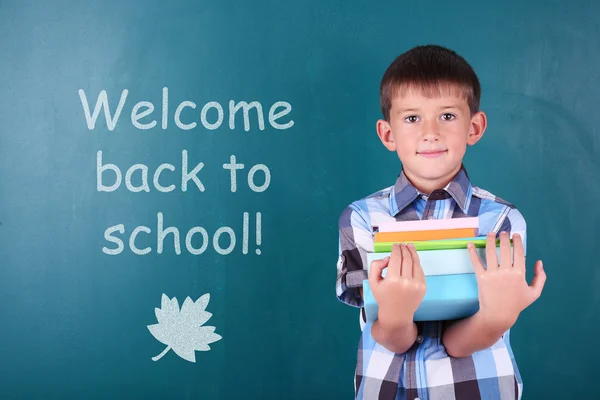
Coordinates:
(514, 222)
(355, 241)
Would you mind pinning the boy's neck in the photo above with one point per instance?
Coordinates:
(427, 186)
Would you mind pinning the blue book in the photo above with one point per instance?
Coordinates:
(447, 297)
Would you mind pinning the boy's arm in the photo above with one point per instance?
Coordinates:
(467, 336)
(395, 338)
(355, 241)
(399, 295)
(503, 294)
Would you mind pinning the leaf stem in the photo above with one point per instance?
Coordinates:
(158, 357)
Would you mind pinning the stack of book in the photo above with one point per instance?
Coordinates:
(441, 244)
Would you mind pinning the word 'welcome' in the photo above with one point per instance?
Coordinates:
(144, 110)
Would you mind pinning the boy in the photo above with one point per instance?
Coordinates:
(430, 103)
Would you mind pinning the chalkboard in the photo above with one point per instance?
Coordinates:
(237, 132)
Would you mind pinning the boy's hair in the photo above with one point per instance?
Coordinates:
(429, 68)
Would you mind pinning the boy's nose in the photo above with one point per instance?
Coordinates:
(431, 131)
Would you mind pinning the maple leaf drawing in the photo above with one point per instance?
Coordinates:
(182, 330)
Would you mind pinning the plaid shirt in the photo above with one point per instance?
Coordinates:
(425, 371)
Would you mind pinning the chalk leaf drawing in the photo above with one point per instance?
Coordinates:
(182, 330)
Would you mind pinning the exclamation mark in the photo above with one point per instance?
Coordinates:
(258, 232)
(245, 233)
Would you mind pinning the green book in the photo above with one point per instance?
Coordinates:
(446, 244)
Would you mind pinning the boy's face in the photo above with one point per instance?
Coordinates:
(430, 134)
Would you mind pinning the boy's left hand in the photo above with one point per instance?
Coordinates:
(503, 288)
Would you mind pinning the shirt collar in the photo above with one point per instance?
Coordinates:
(404, 193)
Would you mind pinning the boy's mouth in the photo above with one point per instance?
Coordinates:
(432, 153)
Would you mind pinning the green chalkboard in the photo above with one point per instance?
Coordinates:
(236, 134)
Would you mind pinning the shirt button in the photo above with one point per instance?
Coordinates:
(419, 340)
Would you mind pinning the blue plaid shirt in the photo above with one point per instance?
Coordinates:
(425, 371)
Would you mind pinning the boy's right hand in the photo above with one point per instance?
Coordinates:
(400, 293)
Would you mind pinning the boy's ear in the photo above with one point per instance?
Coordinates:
(384, 131)
(478, 125)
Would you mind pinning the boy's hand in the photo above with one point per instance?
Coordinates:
(400, 293)
(503, 288)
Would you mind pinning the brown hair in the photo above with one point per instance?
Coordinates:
(429, 68)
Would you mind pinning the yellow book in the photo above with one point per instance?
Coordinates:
(410, 236)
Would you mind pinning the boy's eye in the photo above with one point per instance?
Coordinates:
(411, 118)
(448, 117)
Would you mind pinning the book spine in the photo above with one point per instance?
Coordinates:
(379, 247)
